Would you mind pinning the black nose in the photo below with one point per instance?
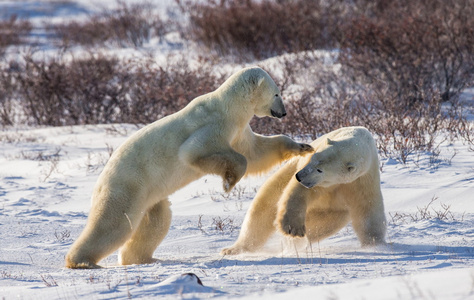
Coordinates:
(283, 114)
(297, 177)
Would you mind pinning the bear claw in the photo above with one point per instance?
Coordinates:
(305, 148)
(295, 231)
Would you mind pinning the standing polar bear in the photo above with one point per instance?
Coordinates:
(318, 195)
(211, 135)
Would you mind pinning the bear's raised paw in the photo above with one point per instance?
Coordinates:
(305, 149)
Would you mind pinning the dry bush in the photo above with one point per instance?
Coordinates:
(412, 60)
(413, 47)
(127, 25)
(399, 131)
(104, 89)
(56, 93)
(8, 90)
(12, 32)
(427, 212)
(403, 66)
(328, 101)
(158, 91)
(262, 28)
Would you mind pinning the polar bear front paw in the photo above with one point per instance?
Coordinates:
(292, 227)
(305, 149)
(294, 149)
(230, 181)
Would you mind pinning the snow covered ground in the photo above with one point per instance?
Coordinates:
(46, 179)
(47, 175)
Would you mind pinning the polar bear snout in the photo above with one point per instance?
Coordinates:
(277, 109)
(304, 177)
(278, 114)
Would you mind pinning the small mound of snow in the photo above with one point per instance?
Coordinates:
(180, 284)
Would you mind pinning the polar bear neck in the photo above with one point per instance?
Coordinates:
(238, 111)
(235, 103)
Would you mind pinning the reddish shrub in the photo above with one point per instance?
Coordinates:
(127, 25)
(262, 28)
(413, 47)
(12, 32)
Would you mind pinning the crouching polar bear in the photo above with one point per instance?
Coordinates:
(210, 135)
(316, 196)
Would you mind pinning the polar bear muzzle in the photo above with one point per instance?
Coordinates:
(304, 176)
(278, 109)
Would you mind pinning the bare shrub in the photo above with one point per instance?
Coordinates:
(48, 280)
(8, 90)
(413, 47)
(158, 91)
(329, 101)
(262, 28)
(223, 225)
(12, 32)
(127, 25)
(427, 212)
(62, 236)
(103, 89)
(219, 224)
(400, 131)
(84, 91)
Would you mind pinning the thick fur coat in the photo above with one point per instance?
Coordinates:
(316, 196)
(211, 135)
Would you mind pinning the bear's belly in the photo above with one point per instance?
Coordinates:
(166, 183)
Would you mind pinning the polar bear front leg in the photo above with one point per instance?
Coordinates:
(230, 165)
(369, 222)
(290, 148)
(152, 230)
(291, 215)
(208, 154)
(264, 152)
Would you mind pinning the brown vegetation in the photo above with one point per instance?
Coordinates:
(399, 68)
(127, 25)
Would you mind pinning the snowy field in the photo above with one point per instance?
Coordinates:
(47, 176)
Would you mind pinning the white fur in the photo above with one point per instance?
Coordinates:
(211, 135)
(318, 195)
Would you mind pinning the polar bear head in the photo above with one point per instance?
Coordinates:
(339, 161)
(254, 85)
(267, 97)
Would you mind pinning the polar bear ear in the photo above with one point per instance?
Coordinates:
(260, 80)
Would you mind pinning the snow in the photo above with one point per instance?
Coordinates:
(46, 179)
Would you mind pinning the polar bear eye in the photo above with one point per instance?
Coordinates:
(319, 170)
(276, 95)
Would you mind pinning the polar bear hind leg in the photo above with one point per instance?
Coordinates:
(98, 240)
(152, 230)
